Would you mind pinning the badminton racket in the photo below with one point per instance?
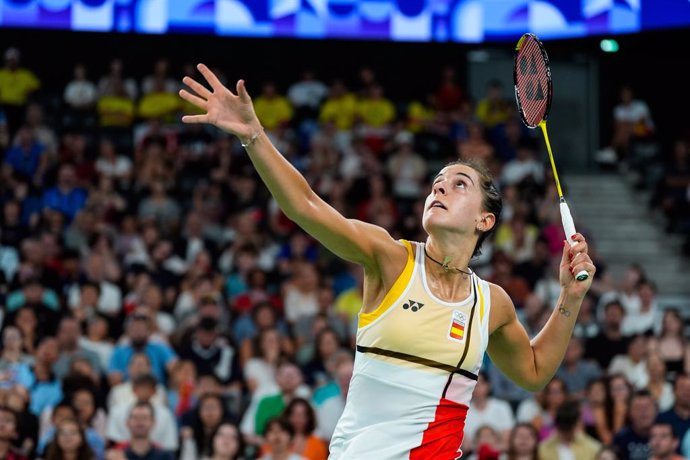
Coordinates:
(533, 93)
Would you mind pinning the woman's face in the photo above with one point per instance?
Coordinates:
(278, 438)
(226, 441)
(328, 344)
(555, 394)
(619, 390)
(455, 202)
(210, 412)
(83, 402)
(597, 393)
(68, 436)
(672, 324)
(298, 418)
(524, 440)
(270, 343)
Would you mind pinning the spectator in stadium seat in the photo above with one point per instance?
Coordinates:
(576, 372)
(632, 441)
(197, 438)
(487, 444)
(660, 389)
(38, 378)
(279, 437)
(70, 442)
(663, 442)
(159, 103)
(671, 343)
(66, 197)
(27, 156)
(60, 413)
(340, 107)
(160, 74)
(138, 332)
(300, 414)
(486, 410)
(644, 320)
(610, 341)
(406, 168)
(123, 393)
(8, 434)
(307, 94)
(568, 441)
(290, 380)
(475, 147)
(115, 77)
(68, 335)
(140, 443)
(633, 364)
(212, 354)
(679, 415)
(523, 443)
(494, 109)
(273, 109)
(80, 93)
(16, 85)
(163, 428)
(116, 109)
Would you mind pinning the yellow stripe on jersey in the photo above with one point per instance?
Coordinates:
(481, 301)
(394, 293)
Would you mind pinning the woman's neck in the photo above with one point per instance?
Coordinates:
(453, 255)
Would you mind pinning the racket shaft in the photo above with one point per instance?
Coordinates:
(569, 229)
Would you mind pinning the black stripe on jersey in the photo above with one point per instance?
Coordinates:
(475, 286)
(417, 360)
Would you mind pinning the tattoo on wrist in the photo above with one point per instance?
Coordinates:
(563, 311)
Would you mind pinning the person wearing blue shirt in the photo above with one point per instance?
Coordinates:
(161, 356)
(38, 378)
(65, 197)
(26, 156)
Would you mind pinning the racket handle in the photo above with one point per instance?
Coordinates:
(569, 228)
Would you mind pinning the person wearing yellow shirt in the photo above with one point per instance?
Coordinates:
(272, 109)
(16, 84)
(376, 111)
(159, 103)
(116, 109)
(494, 109)
(340, 108)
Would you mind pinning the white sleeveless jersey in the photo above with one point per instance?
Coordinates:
(415, 369)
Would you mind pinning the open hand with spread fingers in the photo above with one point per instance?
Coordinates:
(233, 113)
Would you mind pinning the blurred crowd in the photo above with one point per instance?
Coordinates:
(157, 304)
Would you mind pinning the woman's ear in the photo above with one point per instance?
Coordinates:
(487, 222)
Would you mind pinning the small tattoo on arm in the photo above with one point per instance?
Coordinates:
(563, 311)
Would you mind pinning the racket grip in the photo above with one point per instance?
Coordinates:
(569, 228)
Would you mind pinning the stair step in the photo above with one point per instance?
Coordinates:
(626, 231)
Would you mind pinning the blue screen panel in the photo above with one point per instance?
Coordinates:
(470, 21)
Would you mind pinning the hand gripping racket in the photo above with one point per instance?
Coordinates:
(533, 91)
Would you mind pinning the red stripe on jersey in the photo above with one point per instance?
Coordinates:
(443, 437)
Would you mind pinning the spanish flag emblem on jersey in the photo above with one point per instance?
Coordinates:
(457, 326)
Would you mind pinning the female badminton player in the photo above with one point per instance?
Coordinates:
(427, 319)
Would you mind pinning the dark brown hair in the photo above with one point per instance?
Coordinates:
(54, 451)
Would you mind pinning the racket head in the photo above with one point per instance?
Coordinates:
(532, 79)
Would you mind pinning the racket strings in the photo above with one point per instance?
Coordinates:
(532, 81)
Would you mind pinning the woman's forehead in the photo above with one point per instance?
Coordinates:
(455, 169)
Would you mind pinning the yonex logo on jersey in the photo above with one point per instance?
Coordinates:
(458, 322)
(413, 305)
